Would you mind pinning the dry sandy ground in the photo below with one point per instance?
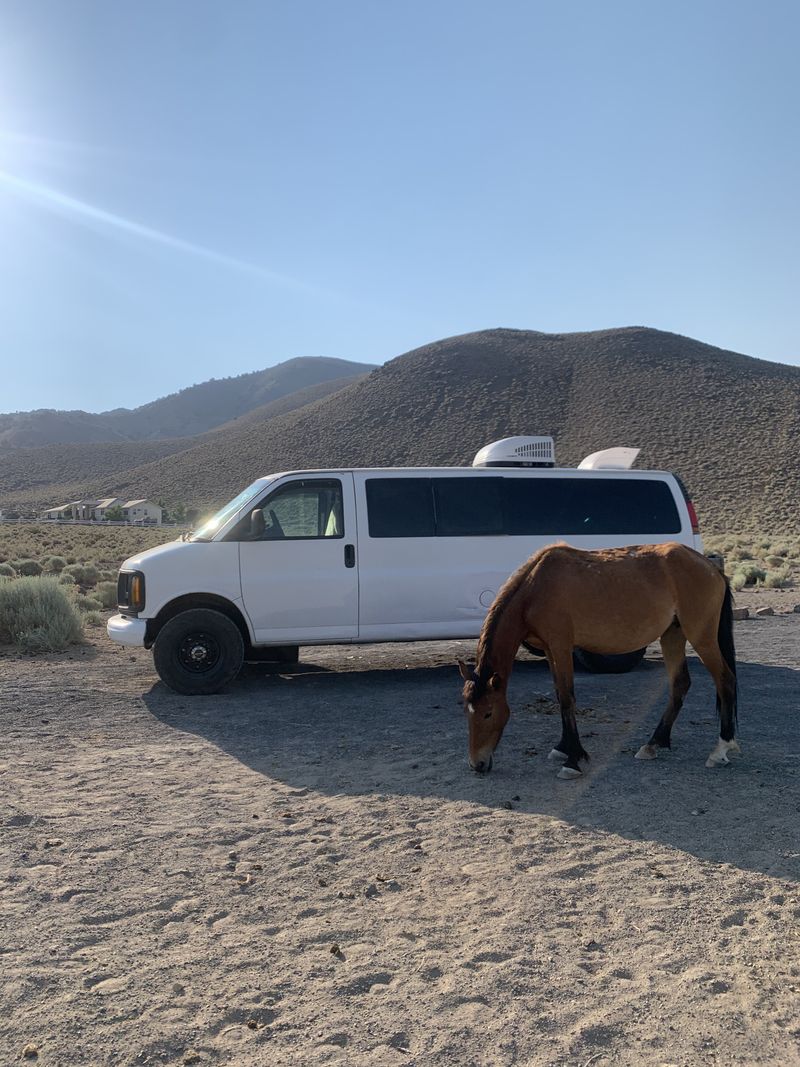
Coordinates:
(302, 870)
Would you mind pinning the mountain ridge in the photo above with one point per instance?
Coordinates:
(727, 423)
(186, 412)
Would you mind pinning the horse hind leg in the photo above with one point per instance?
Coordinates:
(725, 682)
(673, 649)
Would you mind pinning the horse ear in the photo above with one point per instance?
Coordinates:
(495, 682)
(465, 670)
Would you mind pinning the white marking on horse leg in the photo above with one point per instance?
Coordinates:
(733, 748)
(647, 752)
(557, 756)
(569, 772)
(719, 754)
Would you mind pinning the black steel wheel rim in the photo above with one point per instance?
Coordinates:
(199, 652)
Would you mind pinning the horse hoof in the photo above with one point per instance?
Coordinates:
(718, 757)
(557, 756)
(569, 772)
(647, 752)
(721, 762)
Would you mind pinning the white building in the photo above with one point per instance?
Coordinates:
(142, 511)
(138, 511)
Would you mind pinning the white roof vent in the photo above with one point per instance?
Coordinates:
(610, 459)
(517, 452)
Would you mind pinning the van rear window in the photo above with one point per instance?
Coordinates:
(400, 507)
(519, 507)
(601, 506)
(468, 507)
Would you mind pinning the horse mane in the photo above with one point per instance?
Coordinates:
(505, 595)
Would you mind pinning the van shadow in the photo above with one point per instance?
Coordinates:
(400, 731)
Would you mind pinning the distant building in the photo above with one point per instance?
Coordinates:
(142, 511)
(138, 511)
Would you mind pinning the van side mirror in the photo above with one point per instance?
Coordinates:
(257, 524)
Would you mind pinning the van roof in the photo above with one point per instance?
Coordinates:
(481, 472)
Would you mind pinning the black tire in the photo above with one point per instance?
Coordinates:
(609, 664)
(288, 654)
(534, 651)
(198, 652)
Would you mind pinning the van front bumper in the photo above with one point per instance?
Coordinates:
(126, 631)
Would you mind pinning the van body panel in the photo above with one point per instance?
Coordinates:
(345, 585)
(442, 587)
(301, 589)
(182, 567)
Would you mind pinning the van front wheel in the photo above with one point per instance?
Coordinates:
(198, 652)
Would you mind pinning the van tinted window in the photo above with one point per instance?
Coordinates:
(549, 507)
(468, 507)
(400, 507)
(568, 506)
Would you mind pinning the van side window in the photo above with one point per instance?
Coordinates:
(304, 509)
(568, 506)
(468, 507)
(400, 507)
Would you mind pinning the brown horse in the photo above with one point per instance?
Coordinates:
(612, 601)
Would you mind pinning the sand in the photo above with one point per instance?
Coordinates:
(303, 870)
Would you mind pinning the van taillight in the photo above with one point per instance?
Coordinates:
(693, 517)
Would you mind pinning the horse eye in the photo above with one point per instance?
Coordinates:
(488, 715)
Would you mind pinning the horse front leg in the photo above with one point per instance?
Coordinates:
(569, 749)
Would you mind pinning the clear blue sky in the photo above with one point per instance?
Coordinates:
(194, 189)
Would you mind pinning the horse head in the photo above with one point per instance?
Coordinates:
(487, 713)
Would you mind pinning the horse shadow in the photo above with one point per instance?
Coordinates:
(399, 730)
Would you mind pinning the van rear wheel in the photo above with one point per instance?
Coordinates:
(609, 664)
(198, 652)
(534, 651)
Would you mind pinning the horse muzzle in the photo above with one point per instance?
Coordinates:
(482, 766)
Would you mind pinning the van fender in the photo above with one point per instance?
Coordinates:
(199, 600)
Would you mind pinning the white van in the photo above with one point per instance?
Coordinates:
(388, 554)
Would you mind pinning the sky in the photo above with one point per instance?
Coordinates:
(193, 189)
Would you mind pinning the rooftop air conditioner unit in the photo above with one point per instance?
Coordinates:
(616, 459)
(517, 452)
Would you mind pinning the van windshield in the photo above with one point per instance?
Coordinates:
(216, 522)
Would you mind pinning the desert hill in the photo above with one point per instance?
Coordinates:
(191, 411)
(32, 477)
(729, 424)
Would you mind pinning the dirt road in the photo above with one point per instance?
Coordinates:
(302, 870)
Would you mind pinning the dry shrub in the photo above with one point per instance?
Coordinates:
(777, 579)
(87, 604)
(37, 615)
(106, 593)
(28, 568)
(752, 574)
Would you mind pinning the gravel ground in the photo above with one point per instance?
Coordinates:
(302, 870)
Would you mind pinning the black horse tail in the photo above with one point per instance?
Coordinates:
(725, 642)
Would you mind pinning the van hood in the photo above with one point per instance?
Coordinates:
(160, 553)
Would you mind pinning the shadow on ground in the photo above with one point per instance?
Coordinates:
(344, 727)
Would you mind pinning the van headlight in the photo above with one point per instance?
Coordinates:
(130, 592)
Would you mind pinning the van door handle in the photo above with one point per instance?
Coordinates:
(349, 555)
